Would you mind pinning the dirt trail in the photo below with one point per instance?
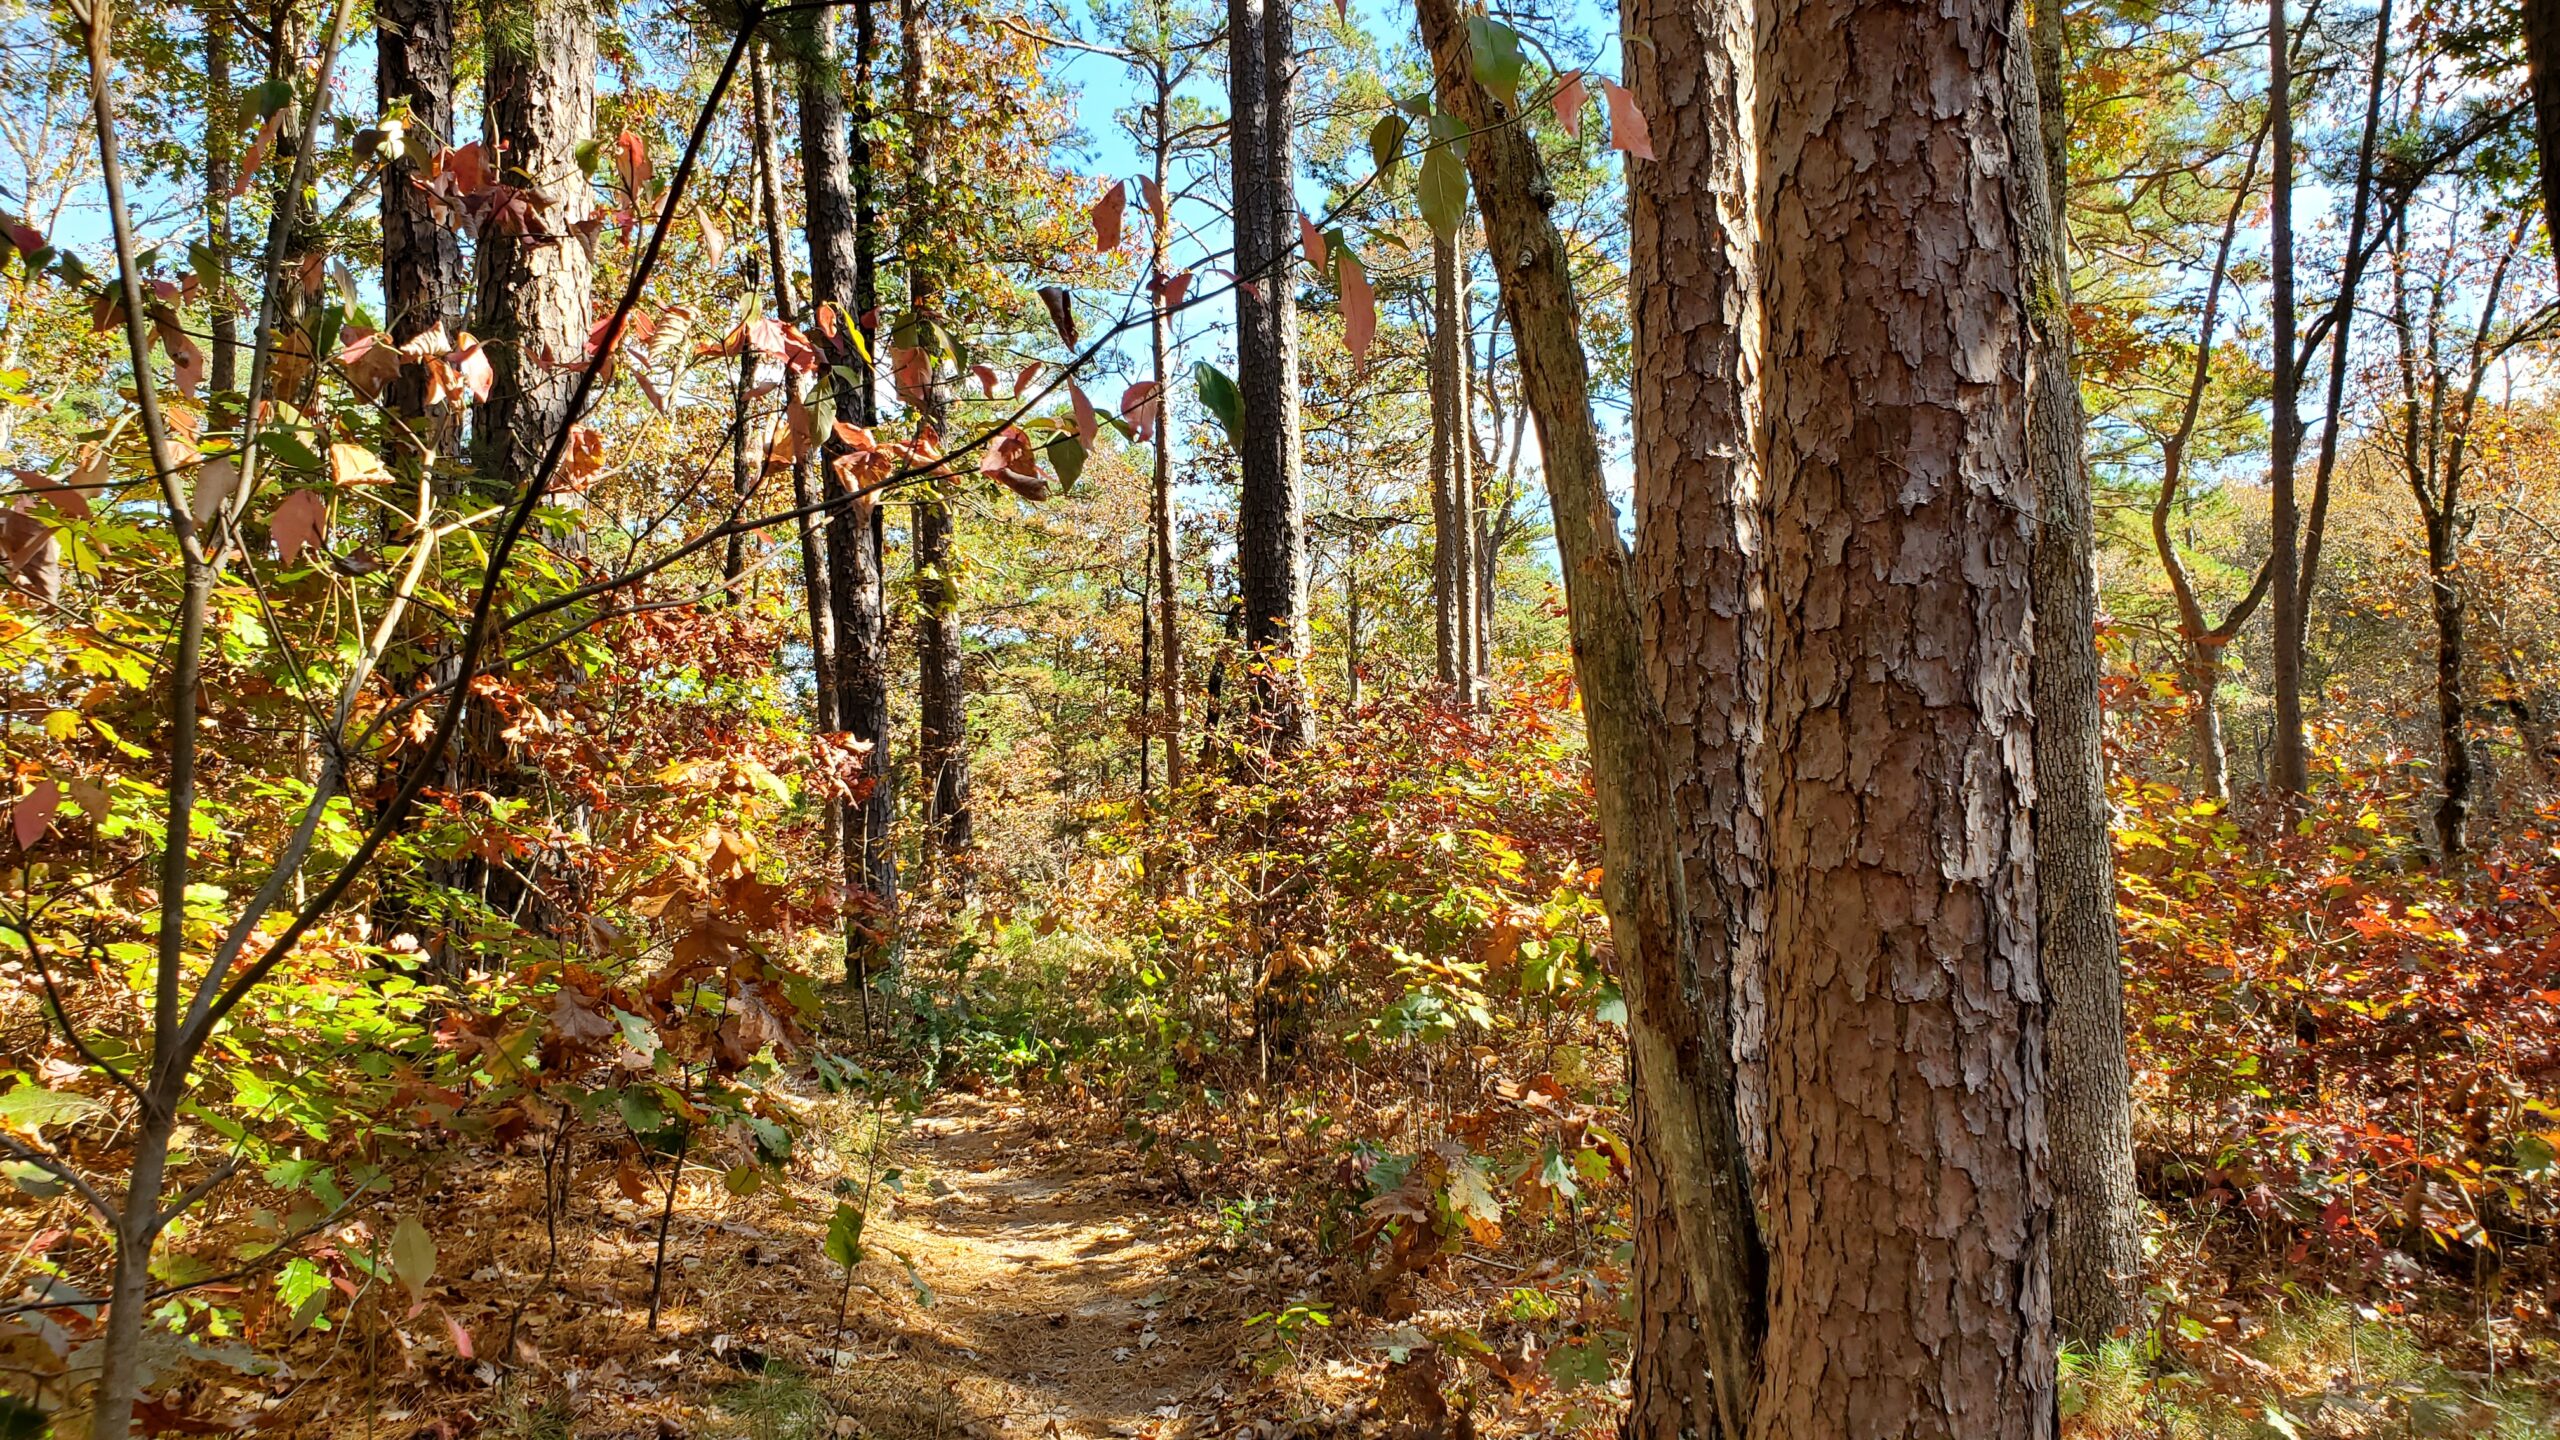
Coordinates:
(1060, 1300)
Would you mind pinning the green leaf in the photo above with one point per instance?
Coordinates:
(641, 1112)
(30, 1108)
(413, 1254)
(1066, 456)
(1493, 52)
(265, 100)
(1218, 393)
(22, 1421)
(2533, 1153)
(32, 1179)
(844, 1235)
(1386, 144)
(1443, 191)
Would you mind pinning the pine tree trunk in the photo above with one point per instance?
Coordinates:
(1691, 1127)
(2097, 1235)
(1700, 557)
(1271, 530)
(422, 274)
(942, 732)
(1908, 1203)
(836, 183)
(536, 291)
(2542, 63)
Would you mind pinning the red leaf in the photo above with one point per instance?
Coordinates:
(986, 379)
(1569, 98)
(1312, 240)
(1025, 378)
(33, 814)
(300, 521)
(1171, 288)
(1009, 458)
(461, 1337)
(1106, 218)
(1138, 407)
(1626, 123)
(1088, 425)
(1359, 310)
(1149, 192)
(631, 162)
(257, 156)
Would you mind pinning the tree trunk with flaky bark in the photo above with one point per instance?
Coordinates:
(839, 275)
(1909, 1207)
(942, 733)
(1700, 556)
(2097, 1234)
(1271, 527)
(220, 174)
(536, 290)
(422, 274)
(1679, 1017)
(2542, 63)
(1160, 491)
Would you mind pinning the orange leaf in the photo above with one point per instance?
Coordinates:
(1106, 218)
(1627, 130)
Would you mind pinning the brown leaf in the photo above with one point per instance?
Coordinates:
(1062, 312)
(1312, 241)
(1568, 101)
(1359, 311)
(355, 465)
(1106, 218)
(1627, 130)
(33, 814)
(301, 522)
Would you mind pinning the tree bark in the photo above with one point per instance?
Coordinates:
(1692, 1126)
(2542, 63)
(2097, 1235)
(2289, 768)
(220, 174)
(1452, 567)
(1700, 556)
(2207, 755)
(1271, 527)
(422, 274)
(942, 733)
(1909, 1209)
(536, 290)
(1160, 498)
(836, 187)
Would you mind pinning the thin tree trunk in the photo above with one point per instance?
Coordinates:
(1160, 500)
(220, 175)
(837, 183)
(1908, 1207)
(815, 583)
(1271, 531)
(2444, 601)
(2097, 1237)
(942, 732)
(1450, 572)
(1693, 1126)
(1700, 558)
(2289, 770)
(2207, 754)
